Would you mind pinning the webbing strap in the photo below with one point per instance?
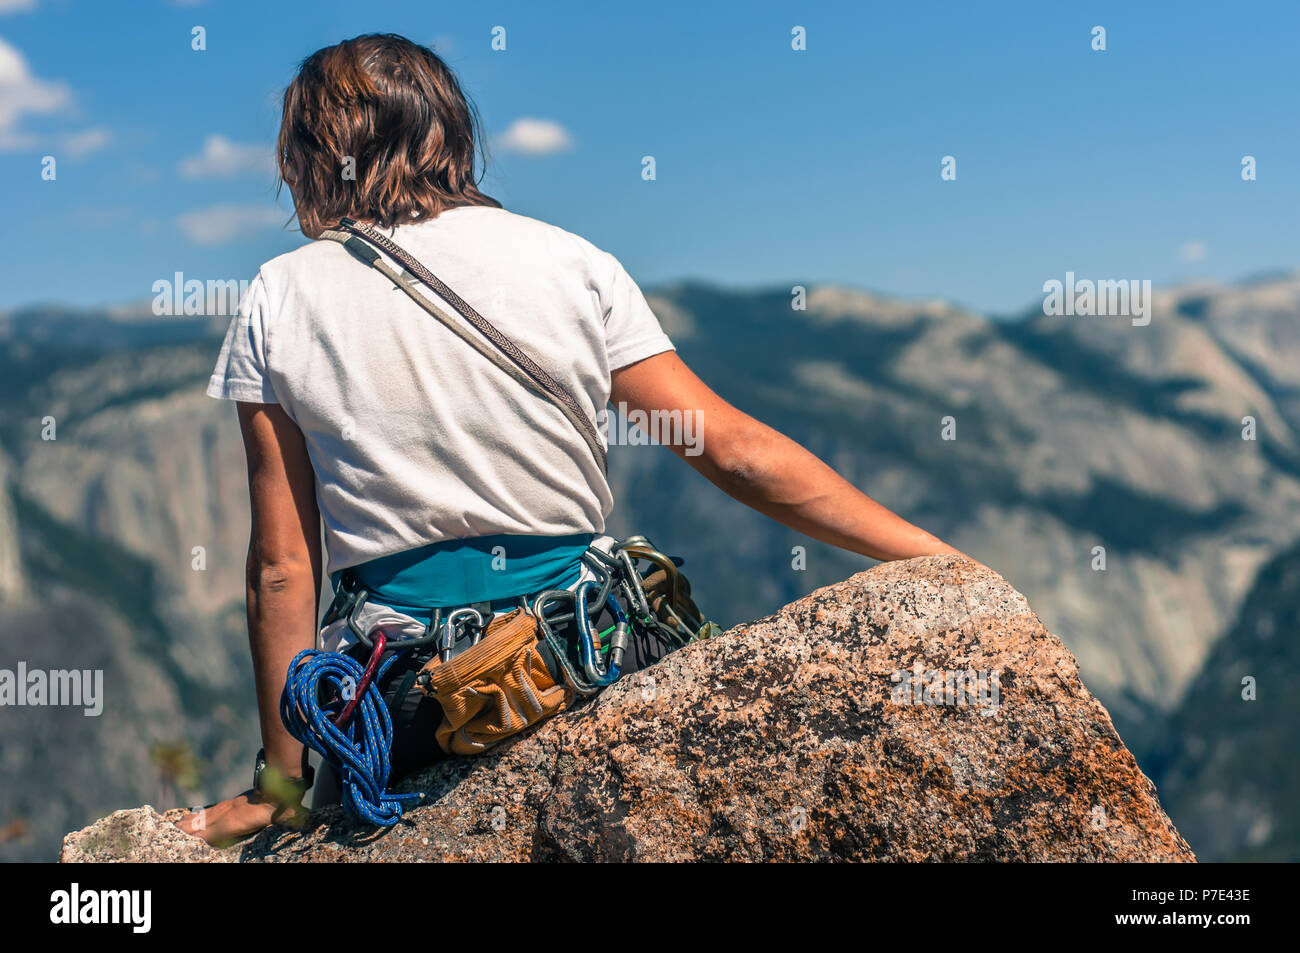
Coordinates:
(497, 348)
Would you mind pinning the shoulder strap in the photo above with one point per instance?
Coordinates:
(362, 240)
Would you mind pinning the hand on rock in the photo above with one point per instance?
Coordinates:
(243, 815)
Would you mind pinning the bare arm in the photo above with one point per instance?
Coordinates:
(768, 471)
(284, 565)
(283, 578)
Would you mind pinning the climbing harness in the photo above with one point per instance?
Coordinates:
(491, 678)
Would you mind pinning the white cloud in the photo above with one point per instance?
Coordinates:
(16, 6)
(1192, 251)
(219, 224)
(221, 158)
(24, 94)
(535, 137)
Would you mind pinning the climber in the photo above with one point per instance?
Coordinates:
(453, 483)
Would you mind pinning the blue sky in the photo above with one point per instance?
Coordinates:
(774, 167)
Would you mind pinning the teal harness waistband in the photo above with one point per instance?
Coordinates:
(461, 572)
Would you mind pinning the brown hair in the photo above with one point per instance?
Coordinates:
(396, 110)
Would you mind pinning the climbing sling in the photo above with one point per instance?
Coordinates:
(362, 240)
(490, 678)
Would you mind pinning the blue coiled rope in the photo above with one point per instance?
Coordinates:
(362, 749)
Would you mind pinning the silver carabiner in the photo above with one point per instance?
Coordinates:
(558, 648)
(632, 582)
(451, 626)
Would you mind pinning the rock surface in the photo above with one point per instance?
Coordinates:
(818, 733)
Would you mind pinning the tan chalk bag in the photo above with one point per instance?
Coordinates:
(494, 689)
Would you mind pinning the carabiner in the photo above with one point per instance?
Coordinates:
(606, 568)
(587, 639)
(451, 633)
(687, 624)
(632, 583)
(652, 555)
(580, 685)
(363, 683)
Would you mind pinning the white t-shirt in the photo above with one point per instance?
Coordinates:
(416, 438)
